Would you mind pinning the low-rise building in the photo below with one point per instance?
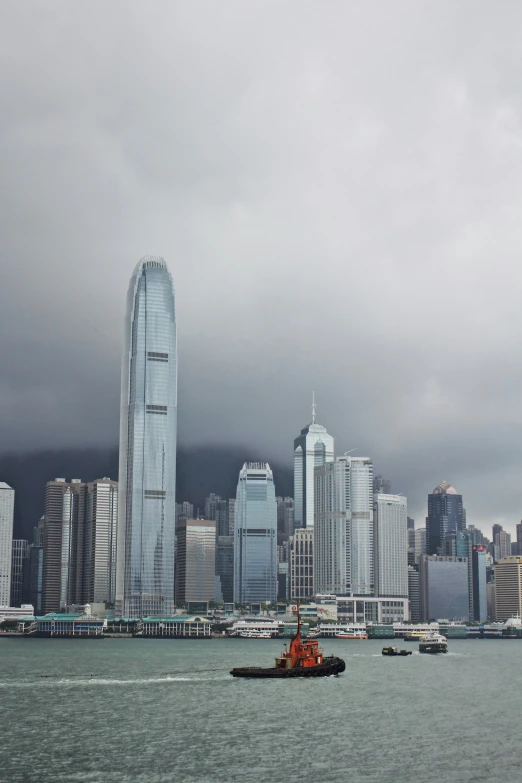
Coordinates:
(178, 626)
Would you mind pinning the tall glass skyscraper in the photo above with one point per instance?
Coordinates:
(255, 535)
(446, 514)
(313, 448)
(148, 424)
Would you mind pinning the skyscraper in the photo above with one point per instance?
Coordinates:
(478, 586)
(344, 538)
(18, 563)
(98, 576)
(391, 545)
(301, 564)
(508, 588)
(312, 448)
(381, 484)
(501, 543)
(6, 541)
(446, 514)
(195, 560)
(444, 588)
(148, 424)
(255, 556)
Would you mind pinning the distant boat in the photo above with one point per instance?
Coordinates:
(433, 643)
(255, 635)
(351, 635)
(393, 651)
(414, 636)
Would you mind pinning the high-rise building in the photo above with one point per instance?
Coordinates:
(381, 484)
(20, 553)
(255, 535)
(33, 570)
(478, 590)
(344, 540)
(446, 514)
(64, 515)
(98, 564)
(301, 563)
(184, 510)
(285, 518)
(231, 516)
(148, 426)
(7, 495)
(312, 448)
(225, 567)
(195, 560)
(501, 543)
(217, 509)
(391, 545)
(508, 588)
(420, 541)
(411, 533)
(414, 593)
(444, 588)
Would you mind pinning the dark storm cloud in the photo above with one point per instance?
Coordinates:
(336, 188)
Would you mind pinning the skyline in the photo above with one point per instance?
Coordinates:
(361, 241)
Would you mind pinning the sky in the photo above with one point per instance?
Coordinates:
(336, 188)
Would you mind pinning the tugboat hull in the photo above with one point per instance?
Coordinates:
(329, 666)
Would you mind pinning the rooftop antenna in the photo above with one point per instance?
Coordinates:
(313, 407)
(349, 452)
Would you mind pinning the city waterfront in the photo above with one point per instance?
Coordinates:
(135, 711)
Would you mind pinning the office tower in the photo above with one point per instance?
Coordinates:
(7, 494)
(231, 516)
(97, 568)
(519, 540)
(64, 513)
(217, 509)
(455, 544)
(411, 533)
(390, 521)
(444, 588)
(195, 560)
(344, 540)
(225, 567)
(312, 448)
(285, 518)
(479, 593)
(381, 484)
(301, 563)
(184, 510)
(501, 543)
(255, 562)
(508, 588)
(148, 423)
(476, 536)
(414, 593)
(33, 570)
(211, 505)
(20, 551)
(446, 514)
(420, 541)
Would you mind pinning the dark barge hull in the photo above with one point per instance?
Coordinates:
(330, 666)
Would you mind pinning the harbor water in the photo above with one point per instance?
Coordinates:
(156, 711)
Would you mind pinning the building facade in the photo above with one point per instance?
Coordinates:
(301, 564)
(444, 588)
(98, 569)
(391, 545)
(20, 551)
(225, 567)
(255, 535)
(508, 588)
(148, 427)
(195, 560)
(7, 496)
(312, 448)
(479, 604)
(446, 514)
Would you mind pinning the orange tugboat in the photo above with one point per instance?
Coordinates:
(303, 659)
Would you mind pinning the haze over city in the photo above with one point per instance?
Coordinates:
(337, 195)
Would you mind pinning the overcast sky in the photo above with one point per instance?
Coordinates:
(337, 190)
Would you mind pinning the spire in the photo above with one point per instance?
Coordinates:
(313, 407)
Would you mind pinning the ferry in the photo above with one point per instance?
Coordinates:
(433, 643)
(255, 635)
(351, 635)
(302, 659)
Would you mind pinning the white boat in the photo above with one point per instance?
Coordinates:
(433, 643)
(351, 635)
(255, 635)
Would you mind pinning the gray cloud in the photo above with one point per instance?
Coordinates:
(337, 191)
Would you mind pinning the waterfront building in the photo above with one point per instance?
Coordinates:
(225, 567)
(444, 588)
(344, 539)
(97, 578)
(301, 564)
(381, 484)
(391, 545)
(508, 588)
(148, 426)
(420, 541)
(255, 559)
(414, 593)
(195, 560)
(446, 514)
(7, 496)
(20, 551)
(479, 608)
(24, 612)
(64, 513)
(365, 609)
(74, 624)
(181, 626)
(312, 448)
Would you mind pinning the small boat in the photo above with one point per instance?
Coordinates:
(433, 643)
(255, 635)
(392, 651)
(302, 659)
(351, 635)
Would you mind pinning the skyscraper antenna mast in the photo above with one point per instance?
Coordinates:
(313, 407)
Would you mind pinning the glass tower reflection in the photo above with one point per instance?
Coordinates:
(148, 418)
